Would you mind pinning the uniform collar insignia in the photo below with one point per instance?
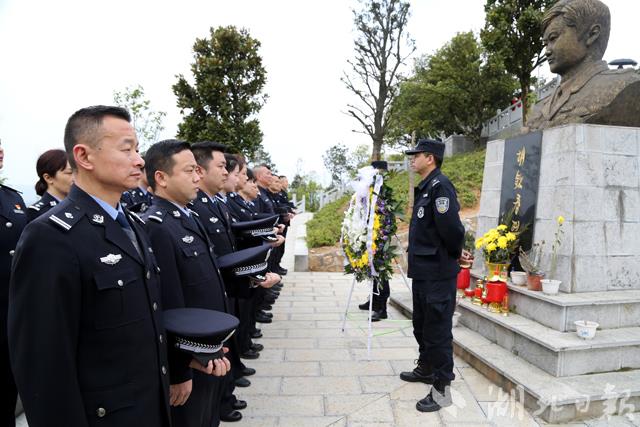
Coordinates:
(111, 259)
(176, 214)
(204, 199)
(68, 215)
(187, 239)
(98, 219)
(53, 203)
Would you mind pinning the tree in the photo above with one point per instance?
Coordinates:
(358, 158)
(453, 91)
(336, 160)
(513, 30)
(146, 121)
(226, 95)
(381, 37)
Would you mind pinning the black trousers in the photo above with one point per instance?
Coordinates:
(381, 287)
(202, 409)
(8, 406)
(432, 318)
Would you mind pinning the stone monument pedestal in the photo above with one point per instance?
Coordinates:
(590, 175)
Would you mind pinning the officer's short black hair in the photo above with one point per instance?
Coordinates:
(203, 152)
(159, 157)
(83, 124)
(251, 175)
(232, 162)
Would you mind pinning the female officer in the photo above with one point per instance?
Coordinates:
(54, 181)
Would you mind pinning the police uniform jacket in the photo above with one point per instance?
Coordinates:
(217, 222)
(85, 321)
(136, 200)
(436, 235)
(264, 203)
(190, 275)
(240, 209)
(13, 218)
(42, 206)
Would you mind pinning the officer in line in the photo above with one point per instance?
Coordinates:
(138, 199)
(190, 275)
(54, 181)
(237, 205)
(13, 218)
(85, 323)
(436, 238)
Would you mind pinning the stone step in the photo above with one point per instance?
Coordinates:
(558, 353)
(615, 309)
(555, 400)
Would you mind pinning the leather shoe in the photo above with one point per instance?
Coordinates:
(364, 306)
(418, 375)
(256, 334)
(250, 354)
(376, 316)
(266, 307)
(257, 347)
(263, 313)
(239, 404)
(435, 400)
(242, 382)
(231, 416)
(247, 372)
(281, 271)
(262, 319)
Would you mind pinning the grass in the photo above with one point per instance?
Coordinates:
(464, 170)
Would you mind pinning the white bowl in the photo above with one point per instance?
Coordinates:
(456, 317)
(519, 278)
(586, 329)
(550, 286)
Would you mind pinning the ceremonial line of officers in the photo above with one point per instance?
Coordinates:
(131, 290)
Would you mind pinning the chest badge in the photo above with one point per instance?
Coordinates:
(187, 239)
(98, 219)
(111, 259)
(442, 204)
(213, 219)
(421, 212)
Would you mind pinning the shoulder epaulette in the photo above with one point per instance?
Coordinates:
(65, 219)
(194, 213)
(156, 215)
(36, 206)
(136, 217)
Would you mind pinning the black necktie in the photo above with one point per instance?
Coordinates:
(126, 227)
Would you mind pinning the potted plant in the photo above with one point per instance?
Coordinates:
(532, 263)
(551, 286)
(498, 245)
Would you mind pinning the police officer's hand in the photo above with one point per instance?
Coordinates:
(466, 257)
(279, 242)
(280, 228)
(179, 393)
(271, 279)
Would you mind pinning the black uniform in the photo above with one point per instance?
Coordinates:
(241, 209)
(13, 218)
(136, 200)
(190, 278)
(436, 238)
(42, 206)
(85, 323)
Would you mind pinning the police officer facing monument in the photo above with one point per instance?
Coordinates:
(85, 320)
(54, 181)
(13, 218)
(436, 237)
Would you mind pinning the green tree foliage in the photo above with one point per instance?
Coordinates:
(336, 160)
(375, 70)
(453, 91)
(513, 30)
(146, 121)
(304, 186)
(222, 103)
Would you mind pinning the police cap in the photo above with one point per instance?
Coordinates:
(426, 145)
(199, 332)
(259, 229)
(251, 263)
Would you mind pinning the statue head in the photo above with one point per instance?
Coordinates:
(574, 32)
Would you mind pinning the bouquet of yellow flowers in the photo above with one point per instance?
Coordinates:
(498, 245)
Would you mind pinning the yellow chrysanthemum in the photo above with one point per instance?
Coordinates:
(502, 242)
(491, 247)
(502, 227)
(510, 237)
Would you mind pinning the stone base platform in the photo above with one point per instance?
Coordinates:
(554, 399)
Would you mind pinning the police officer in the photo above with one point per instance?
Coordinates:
(436, 238)
(85, 323)
(54, 181)
(13, 219)
(138, 199)
(190, 275)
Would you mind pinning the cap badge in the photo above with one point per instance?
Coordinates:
(111, 259)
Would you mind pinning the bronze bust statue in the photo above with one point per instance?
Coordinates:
(576, 34)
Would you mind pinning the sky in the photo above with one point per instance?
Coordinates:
(59, 56)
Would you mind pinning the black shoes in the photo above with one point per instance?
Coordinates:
(247, 372)
(239, 404)
(256, 334)
(262, 319)
(250, 354)
(435, 400)
(418, 375)
(281, 271)
(263, 313)
(231, 417)
(242, 382)
(364, 306)
(377, 316)
(257, 347)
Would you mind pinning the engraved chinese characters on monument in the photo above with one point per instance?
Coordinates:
(576, 34)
